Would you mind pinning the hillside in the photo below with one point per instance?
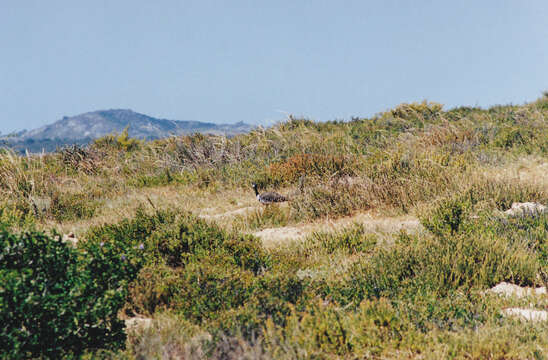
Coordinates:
(82, 129)
(397, 228)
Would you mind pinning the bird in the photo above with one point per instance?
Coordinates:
(270, 197)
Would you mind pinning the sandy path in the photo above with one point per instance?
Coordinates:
(238, 212)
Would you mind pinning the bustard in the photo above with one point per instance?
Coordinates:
(268, 197)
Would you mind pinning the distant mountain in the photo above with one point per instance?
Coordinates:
(84, 128)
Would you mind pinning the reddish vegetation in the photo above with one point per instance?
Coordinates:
(290, 170)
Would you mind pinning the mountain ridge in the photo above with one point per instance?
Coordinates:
(83, 128)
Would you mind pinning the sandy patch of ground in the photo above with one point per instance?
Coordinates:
(526, 314)
(526, 208)
(274, 236)
(512, 290)
(508, 289)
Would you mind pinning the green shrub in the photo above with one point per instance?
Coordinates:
(273, 292)
(198, 291)
(130, 233)
(184, 238)
(271, 296)
(177, 261)
(245, 320)
(208, 288)
(378, 328)
(219, 294)
(217, 291)
(325, 331)
(120, 141)
(51, 303)
(117, 252)
(152, 290)
(463, 252)
(447, 217)
(114, 266)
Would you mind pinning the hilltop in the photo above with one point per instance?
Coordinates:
(398, 230)
(82, 129)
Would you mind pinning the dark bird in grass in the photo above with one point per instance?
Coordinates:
(270, 197)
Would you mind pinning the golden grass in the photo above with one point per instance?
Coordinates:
(224, 206)
(120, 206)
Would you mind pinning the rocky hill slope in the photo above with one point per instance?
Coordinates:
(83, 128)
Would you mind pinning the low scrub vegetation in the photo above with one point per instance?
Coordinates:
(165, 236)
(52, 303)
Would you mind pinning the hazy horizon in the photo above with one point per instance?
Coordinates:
(225, 62)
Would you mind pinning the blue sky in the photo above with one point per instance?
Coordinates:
(257, 61)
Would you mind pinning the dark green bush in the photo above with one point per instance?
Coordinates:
(270, 296)
(206, 291)
(114, 266)
(130, 232)
(178, 238)
(447, 218)
(118, 251)
(198, 291)
(51, 303)
(207, 288)
(217, 292)
(275, 293)
(178, 261)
